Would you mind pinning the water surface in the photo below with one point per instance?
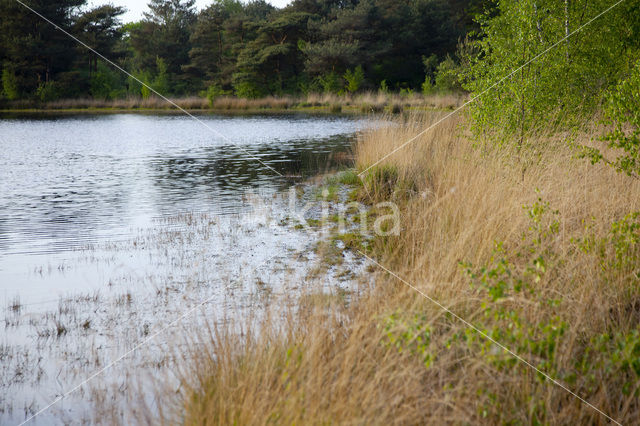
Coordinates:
(68, 181)
(113, 227)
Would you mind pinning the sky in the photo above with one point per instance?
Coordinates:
(136, 7)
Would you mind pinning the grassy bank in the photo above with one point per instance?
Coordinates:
(361, 103)
(537, 248)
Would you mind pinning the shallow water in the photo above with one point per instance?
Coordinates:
(70, 181)
(111, 227)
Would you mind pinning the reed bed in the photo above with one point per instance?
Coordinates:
(534, 247)
(367, 102)
(152, 102)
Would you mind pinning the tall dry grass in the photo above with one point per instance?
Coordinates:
(151, 102)
(366, 102)
(390, 356)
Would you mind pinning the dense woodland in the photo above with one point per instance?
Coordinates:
(525, 51)
(249, 49)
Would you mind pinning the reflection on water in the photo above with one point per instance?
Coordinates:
(113, 227)
(69, 180)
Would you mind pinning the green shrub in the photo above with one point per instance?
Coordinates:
(246, 86)
(430, 67)
(447, 76)
(384, 88)
(427, 87)
(623, 112)
(354, 79)
(106, 83)
(406, 92)
(135, 87)
(49, 91)
(536, 81)
(215, 91)
(616, 355)
(618, 252)
(530, 327)
(409, 334)
(330, 83)
(10, 89)
(161, 80)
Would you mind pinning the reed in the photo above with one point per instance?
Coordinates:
(366, 102)
(539, 216)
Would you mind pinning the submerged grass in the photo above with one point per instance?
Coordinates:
(537, 248)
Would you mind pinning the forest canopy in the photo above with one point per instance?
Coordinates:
(250, 49)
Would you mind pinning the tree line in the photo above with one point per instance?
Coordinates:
(248, 49)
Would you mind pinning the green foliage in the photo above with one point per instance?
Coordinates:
(427, 87)
(10, 88)
(43, 62)
(384, 88)
(250, 47)
(406, 92)
(352, 241)
(214, 91)
(500, 280)
(615, 355)
(245, 87)
(106, 83)
(330, 83)
(409, 334)
(618, 252)
(141, 89)
(514, 284)
(566, 81)
(623, 112)
(503, 279)
(49, 91)
(430, 66)
(625, 238)
(329, 192)
(354, 79)
(349, 177)
(447, 76)
(165, 34)
(271, 62)
(161, 81)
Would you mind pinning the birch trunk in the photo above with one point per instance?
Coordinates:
(566, 25)
(538, 26)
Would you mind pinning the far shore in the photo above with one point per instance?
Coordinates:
(314, 103)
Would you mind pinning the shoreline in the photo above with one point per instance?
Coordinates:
(509, 265)
(366, 103)
(78, 320)
(173, 110)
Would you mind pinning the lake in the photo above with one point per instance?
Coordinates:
(112, 226)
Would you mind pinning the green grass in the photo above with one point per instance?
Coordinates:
(347, 177)
(328, 192)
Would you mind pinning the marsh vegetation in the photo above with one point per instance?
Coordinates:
(103, 260)
(470, 255)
